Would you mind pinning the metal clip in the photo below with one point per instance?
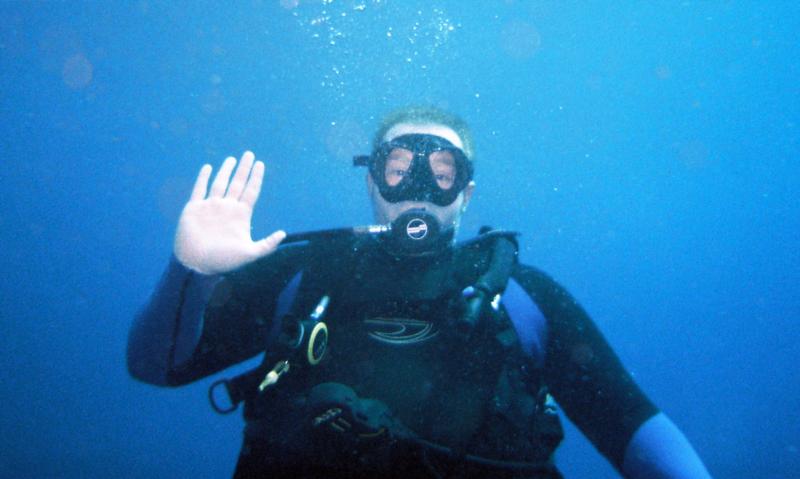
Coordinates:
(273, 376)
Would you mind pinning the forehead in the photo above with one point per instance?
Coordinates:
(425, 128)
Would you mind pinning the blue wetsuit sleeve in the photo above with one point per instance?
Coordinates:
(658, 450)
(166, 331)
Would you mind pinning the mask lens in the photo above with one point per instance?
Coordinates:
(443, 167)
(398, 164)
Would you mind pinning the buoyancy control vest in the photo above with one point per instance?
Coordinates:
(397, 335)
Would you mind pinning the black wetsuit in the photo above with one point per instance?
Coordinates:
(391, 338)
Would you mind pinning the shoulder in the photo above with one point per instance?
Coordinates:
(562, 311)
(539, 284)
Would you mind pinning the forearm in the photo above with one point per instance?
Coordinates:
(658, 450)
(166, 331)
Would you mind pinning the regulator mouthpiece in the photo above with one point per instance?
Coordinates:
(417, 232)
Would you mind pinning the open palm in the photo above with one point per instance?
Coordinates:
(214, 228)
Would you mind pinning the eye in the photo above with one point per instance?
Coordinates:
(444, 181)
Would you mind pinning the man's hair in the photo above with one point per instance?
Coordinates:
(422, 115)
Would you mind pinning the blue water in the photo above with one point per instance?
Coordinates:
(648, 152)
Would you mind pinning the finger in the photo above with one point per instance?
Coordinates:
(270, 243)
(220, 183)
(201, 183)
(253, 188)
(240, 177)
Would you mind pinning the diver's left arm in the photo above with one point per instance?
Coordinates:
(599, 395)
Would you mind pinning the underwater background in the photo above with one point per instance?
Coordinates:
(648, 152)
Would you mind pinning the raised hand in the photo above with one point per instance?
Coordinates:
(213, 234)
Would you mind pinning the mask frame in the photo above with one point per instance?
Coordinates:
(419, 184)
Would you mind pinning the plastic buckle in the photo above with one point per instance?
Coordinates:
(213, 399)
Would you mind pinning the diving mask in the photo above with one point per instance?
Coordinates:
(418, 167)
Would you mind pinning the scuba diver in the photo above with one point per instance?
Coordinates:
(391, 350)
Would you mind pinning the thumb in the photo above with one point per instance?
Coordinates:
(270, 243)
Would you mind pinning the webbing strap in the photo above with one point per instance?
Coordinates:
(245, 384)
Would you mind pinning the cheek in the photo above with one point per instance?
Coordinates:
(449, 215)
(382, 209)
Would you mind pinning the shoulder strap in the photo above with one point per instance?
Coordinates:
(490, 285)
(528, 320)
(242, 386)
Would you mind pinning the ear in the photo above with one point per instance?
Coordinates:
(370, 184)
(467, 195)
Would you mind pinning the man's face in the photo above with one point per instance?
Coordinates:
(448, 216)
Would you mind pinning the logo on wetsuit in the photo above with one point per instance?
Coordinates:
(400, 331)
